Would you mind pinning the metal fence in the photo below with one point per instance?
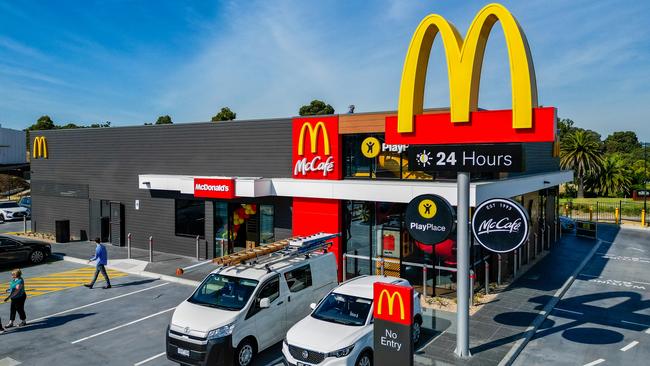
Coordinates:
(609, 212)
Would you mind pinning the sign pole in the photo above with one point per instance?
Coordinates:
(462, 278)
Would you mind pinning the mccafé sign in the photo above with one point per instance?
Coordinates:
(316, 148)
(39, 148)
(214, 188)
(526, 122)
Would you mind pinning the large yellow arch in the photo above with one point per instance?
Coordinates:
(464, 63)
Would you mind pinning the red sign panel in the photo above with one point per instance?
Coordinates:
(214, 188)
(484, 127)
(316, 148)
(393, 303)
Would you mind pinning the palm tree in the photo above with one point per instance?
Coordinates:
(612, 178)
(580, 151)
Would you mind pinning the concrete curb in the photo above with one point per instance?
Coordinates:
(516, 349)
(147, 274)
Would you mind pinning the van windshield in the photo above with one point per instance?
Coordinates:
(224, 292)
(343, 309)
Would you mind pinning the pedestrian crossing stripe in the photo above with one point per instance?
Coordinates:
(36, 286)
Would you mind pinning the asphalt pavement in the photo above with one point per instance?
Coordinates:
(604, 317)
(124, 325)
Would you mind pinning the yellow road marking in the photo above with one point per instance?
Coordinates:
(37, 286)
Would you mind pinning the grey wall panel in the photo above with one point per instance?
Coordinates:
(109, 160)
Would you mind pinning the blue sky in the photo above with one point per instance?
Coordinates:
(130, 61)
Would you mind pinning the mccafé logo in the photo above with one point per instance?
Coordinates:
(393, 303)
(39, 148)
(315, 152)
(465, 123)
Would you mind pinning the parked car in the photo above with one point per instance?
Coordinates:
(339, 330)
(11, 211)
(240, 310)
(567, 224)
(16, 249)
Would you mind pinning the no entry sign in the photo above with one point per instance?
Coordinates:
(500, 225)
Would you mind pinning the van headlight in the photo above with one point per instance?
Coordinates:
(341, 352)
(221, 332)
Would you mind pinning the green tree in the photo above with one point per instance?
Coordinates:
(225, 114)
(580, 151)
(316, 107)
(622, 142)
(613, 179)
(164, 120)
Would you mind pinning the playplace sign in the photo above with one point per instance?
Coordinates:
(465, 123)
(316, 148)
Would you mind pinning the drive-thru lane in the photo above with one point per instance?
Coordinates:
(604, 318)
(77, 326)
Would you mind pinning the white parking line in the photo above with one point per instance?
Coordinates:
(632, 344)
(150, 359)
(593, 363)
(122, 326)
(98, 302)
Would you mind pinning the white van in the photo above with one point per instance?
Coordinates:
(243, 309)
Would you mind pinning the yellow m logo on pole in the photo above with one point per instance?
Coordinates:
(313, 137)
(391, 303)
(464, 63)
(39, 148)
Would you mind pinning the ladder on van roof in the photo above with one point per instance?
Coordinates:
(278, 251)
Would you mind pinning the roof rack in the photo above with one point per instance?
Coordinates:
(270, 254)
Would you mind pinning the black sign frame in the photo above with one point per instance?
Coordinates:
(476, 158)
(440, 225)
(503, 204)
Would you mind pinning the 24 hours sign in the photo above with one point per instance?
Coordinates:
(466, 158)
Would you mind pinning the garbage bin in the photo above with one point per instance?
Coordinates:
(62, 228)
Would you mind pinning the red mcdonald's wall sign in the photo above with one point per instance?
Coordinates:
(214, 188)
(316, 148)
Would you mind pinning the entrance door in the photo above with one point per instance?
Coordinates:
(117, 224)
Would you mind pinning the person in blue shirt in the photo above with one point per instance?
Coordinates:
(18, 296)
(101, 259)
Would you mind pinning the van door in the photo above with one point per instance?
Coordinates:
(270, 322)
(300, 295)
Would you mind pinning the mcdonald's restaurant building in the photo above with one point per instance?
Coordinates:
(240, 184)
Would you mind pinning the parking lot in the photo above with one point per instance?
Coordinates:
(72, 325)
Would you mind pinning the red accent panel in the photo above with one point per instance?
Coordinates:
(313, 215)
(393, 303)
(317, 165)
(214, 188)
(484, 127)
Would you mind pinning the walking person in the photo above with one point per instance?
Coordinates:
(18, 296)
(101, 259)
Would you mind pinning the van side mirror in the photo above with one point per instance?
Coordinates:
(312, 306)
(265, 303)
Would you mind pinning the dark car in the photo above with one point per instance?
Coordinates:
(16, 249)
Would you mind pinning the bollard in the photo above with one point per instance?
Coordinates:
(643, 217)
(499, 270)
(25, 224)
(151, 249)
(128, 246)
(424, 280)
(487, 278)
(345, 267)
(616, 216)
(198, 256)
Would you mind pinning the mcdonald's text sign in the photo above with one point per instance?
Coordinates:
(465, 123)
(39, 147)
(316, 148)
(393, 303)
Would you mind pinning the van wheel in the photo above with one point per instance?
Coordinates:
(245, 353)
(365, 359)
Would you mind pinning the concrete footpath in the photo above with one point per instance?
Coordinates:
(501, 328)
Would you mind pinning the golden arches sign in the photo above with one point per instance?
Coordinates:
(313, 137)
(464, 63)
(39, 147)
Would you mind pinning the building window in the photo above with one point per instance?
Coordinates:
(190, 218)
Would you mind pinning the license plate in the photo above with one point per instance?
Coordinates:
(183, 352)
